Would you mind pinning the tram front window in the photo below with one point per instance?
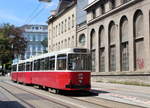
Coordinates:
(79, 62)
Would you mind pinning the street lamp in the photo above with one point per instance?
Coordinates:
(44, 0)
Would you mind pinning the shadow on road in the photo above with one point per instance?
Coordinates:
(10, 104)
(82, 93)
(99, 91)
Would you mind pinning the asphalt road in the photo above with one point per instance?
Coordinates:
(102, 95)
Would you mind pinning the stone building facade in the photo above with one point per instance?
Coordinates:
(119, 38)
(67, 27)
(116, 31)
(81, 24)
(62, 26)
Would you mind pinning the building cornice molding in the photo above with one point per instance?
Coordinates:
(117, 9)
(65, 10)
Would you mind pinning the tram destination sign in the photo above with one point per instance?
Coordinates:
(80, 50)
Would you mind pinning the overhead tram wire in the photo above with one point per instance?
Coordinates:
(34, 11)
(36, 15)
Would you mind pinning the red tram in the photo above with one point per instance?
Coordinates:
(68, 69)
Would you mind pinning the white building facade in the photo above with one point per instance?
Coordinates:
(34, 34)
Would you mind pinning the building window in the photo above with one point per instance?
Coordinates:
(112, 46)
(37, 28)
(139, 40)
(101, 49)
(65, 25)
(102, 9)
(94, 13)
(62, 27)
(32, 28)
(125, 1)
(82, 39)
(31, 38)
(93, 49)
(59, 46)
(124, 47)
(59, 29)
(62, 45)
(73, 21)
(72, 41)
(68, 42)
(113, 4)
(65, 43)
(56, 30)
(68, 23)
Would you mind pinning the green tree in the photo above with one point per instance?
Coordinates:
(12, 44)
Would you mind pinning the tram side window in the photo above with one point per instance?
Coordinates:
(52, 63)
(46, 64)
(14, 68)
(37, 65)
(61, 62)
(29, 66)
(21, 67)
(42, 64)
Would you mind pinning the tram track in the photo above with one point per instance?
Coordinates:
(92, 101)
(28, 104)
(106, 103)
(90, 104)
(24, 101)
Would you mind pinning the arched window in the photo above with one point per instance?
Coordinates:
(124, 45)
(139, 40)
(101, 49)
(93, 48)
(82, 39)
(112, 46)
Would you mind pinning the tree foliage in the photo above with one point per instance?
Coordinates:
(12, 44)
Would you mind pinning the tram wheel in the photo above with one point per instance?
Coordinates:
(55, 91)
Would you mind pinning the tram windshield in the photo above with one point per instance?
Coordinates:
(79, 62)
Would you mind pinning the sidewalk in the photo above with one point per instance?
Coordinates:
(136, 95)
(131, 88)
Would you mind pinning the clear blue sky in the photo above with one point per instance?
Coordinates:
(18, 12)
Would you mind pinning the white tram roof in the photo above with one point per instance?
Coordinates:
(68, 50)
